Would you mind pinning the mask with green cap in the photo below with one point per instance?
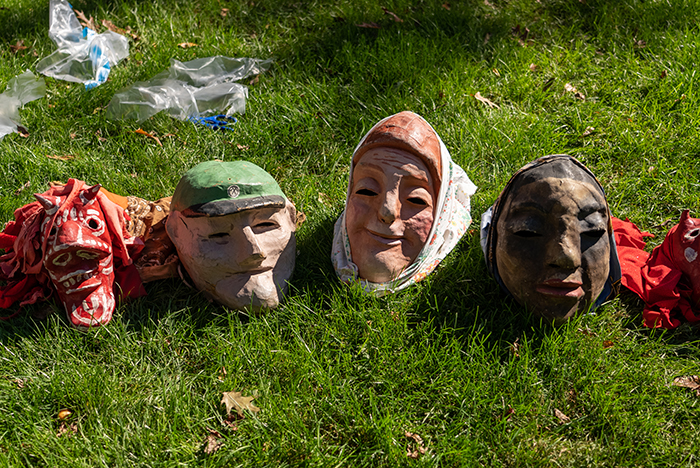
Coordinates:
(234, 231)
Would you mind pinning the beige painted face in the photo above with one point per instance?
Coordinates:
(553, 247)
(390, 212)
(242, 260)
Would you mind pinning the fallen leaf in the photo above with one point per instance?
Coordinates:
(22, 188)
(324, 199)
(64, 413)
(414, 449)
(640, 44)
(515, 348)
(231, 422)
(571, 89)
(486, 101)
(187, 45)
(608, 344)
(301, 218)
(533, 67)
(19, 45)
(24, 133)
(145, 133)
(19, 382)
(488, 4)
(561, 416)
(496, 72)
(212, 442)
(67, 429)
(66, 157)
(521, 34)
(370, 25)
(254, 81)
(587, 332)
(690, 381)
(663, 74)
(88, 23)
(134, 175)
(222, 374)
(224, 12)
(588, 131)
(446, 6)
(392, 14)
(99, 136)
(234, 400)
(487, 37)
(96, 110)
(112, 27)
(242, 147)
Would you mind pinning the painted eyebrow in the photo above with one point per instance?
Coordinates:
(592, 208)
(529, 206)
(378, 168)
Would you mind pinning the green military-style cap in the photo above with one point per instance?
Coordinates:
(217, 188)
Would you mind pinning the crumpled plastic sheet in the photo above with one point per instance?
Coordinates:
(200, 87)
(83, 56)
(21, 89)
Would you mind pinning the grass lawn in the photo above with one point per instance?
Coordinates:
(450, 366)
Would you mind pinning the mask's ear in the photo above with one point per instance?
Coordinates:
(295, 221)
(174, 225)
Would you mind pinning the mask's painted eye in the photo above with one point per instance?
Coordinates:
(93, 224)
(418, 201)
(53, 231)
(266, 225)
(527, 234)
(594, 233)
(366, 192)
(218, 235)
(96, 224)
(693, 233)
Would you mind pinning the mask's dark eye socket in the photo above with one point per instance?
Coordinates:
(693, 233)
(594, 234)
(93, 224)
(418, 201)
(218, 235)
(53, 231)
(266, 225)
(366, 192)
(527, 234)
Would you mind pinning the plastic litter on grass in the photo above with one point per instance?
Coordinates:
(83, 56)
(187, 90)
(21, 89)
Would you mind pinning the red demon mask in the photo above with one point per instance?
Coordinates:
(78, 257)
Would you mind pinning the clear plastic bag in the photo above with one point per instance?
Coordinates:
(21, 89)
(83, 56)
(199, 87)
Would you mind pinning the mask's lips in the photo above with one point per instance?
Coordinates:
(559, 288)
(390, 240)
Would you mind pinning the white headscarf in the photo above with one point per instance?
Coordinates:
(453, 219)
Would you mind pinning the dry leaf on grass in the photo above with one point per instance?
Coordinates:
(234, 400)
(23, 132)
(19, 382)
(187, 45)
(392, 14)
(64, 413)
(370, 25)
(66, 157)
(561, 416)
(608, 344)
(224, 12)
(415, 449)
(19, 45)
(66, 429)
(242, 147)
(149, 135)
(533, 67)
(486, 101)
(571, 89)
(212, 442)
(515, 348)
(588, 131)
(446, 6)
(88, 23)
(23, 188)
(689, 381)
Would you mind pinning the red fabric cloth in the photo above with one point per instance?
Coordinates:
(630, 250)
(668, 279)
(21, 267)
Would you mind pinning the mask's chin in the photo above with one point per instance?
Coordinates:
(253, 293)
(92, 309)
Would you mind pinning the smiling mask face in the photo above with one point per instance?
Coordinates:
(390, 212)
(553, 245)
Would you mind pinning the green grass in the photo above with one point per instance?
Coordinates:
(340, 377)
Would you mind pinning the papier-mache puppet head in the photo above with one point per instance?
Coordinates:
(72, 234)
(407, 206)
(234, 231)
(548, 239)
